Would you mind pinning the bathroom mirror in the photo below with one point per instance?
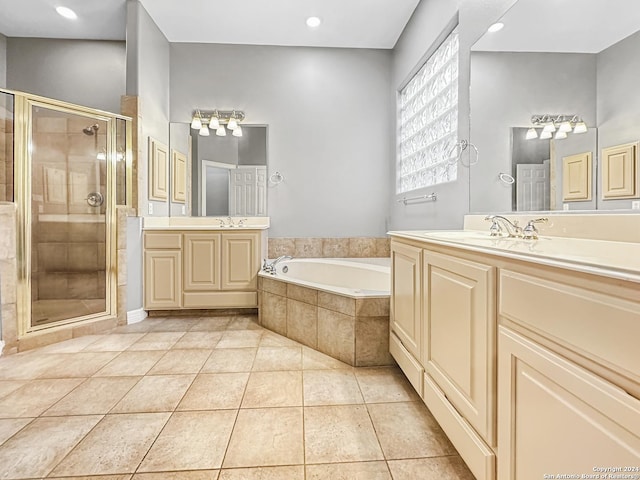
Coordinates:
(226, 176)
(553, 58)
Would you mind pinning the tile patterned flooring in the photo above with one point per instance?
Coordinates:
(216, 398)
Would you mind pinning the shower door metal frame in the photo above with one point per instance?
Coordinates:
(23, 178)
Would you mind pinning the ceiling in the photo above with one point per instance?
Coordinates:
(345, 23)
(586, 26)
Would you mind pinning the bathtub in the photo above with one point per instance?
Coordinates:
(355, 277)
(338, 306)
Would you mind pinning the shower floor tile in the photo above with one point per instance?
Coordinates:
(214, 398)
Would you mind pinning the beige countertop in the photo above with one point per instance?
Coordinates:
(614, 259)
(205, 223)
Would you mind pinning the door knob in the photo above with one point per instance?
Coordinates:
(95, 199)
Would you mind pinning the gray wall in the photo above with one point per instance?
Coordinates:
(85, 72)
(330, 128)
(148, 53)
(147, 77)
(419, 39)
(618, 100)
(506, 89)
(3, 61)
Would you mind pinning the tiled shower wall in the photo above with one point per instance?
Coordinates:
(354, 247)
(68, 259)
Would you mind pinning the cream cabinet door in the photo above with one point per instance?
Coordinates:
(163, 279)
(240, 261)
(405, 296)
(201, 261)
(459, 336)
(555, 417)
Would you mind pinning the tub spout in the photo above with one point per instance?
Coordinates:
(270, 267)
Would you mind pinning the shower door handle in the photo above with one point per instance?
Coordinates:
(95, 199)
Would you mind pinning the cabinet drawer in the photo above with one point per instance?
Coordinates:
(595, 324)
(162, 240)
(409, 365)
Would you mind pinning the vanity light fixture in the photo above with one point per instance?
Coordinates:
(205, 120)
(496, 27)
(560, 134)
(237, 132)
(214, 122)
(66, 12)
(233, 123)
(545, 135)
(196, 121)
(561, 124)
(531, 134)
(580, 127)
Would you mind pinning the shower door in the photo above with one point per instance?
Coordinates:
(70, 216)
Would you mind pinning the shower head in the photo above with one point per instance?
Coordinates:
(91, 129)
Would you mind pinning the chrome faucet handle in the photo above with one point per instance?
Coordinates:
(221, 220)
(241, 222)
(530, 232)
(495, 230)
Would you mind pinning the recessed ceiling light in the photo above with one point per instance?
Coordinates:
(496, 27)
(66, 13)
(313, 22)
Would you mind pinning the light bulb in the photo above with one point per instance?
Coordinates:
(531, 134)
(220, 131)
(233, 123)
(66, 13)
(560, 135)
(581, 127)
(214, 123)
(545, 135)
(313, 22)
(565, 127)
(496, 27)
(204, 131)
(237, 132)
(549, 128)
(196, 123)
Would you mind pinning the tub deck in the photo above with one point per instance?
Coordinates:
(353, 329)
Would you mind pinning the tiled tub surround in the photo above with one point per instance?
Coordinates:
(352, 329)
(354, 247)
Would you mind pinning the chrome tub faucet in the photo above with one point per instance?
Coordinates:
(270, 267)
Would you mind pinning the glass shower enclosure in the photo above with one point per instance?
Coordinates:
(70, 171)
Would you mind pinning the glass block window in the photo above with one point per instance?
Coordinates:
(428, 121)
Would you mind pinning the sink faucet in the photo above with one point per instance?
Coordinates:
(530, 232)
(500, 224)
(270, 267)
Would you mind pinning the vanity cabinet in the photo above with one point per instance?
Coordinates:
(204, 269)
(443, 338)
(163, 270)
(530, 369)
(568, 373)
(406, 314)
(459, 336)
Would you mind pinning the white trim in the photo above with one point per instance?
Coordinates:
(135, 316)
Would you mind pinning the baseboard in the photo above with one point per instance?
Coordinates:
(136, 316)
